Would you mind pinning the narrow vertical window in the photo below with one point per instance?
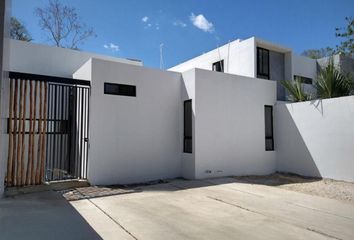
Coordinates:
(187, 135)
(218, 66)
(268, 120)
(262, 63)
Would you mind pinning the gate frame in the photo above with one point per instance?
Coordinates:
(58, 80)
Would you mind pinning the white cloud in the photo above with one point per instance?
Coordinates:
(112, 46)
(179, 23)
(145, 19)
(201, 22)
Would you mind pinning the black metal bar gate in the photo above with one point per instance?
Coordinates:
(61, 129)
(67, 132)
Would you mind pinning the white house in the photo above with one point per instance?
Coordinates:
(114, 121)
(255, 58)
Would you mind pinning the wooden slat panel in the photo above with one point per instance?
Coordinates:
(33, 170)
(23, 127)
(14, 135)
(39, 145)
(44, 130)
(9, 181)
(30, 142)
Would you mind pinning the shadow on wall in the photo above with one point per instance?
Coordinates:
(293, 155)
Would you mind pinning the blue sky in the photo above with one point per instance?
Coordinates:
(187, 28)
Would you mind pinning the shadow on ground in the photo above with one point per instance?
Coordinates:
(276, 179)
(44, 215)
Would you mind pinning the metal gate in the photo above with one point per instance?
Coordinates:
(48, 129)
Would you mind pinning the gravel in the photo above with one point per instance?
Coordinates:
(329, 188)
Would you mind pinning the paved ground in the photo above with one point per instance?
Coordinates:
(211, 209)
(44, 215)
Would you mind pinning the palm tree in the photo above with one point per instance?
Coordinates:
(332, 83)
(296, 90)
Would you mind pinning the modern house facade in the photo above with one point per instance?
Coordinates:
(255, 58)
(120, 122)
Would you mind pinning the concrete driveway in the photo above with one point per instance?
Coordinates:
(210, 209)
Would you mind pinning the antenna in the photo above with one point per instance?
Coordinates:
(161, 57)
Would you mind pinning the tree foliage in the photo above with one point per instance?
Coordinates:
(296, 90)
(345, 47)
(18, 31)
(318, 53)
(347, 34)
(63, 26)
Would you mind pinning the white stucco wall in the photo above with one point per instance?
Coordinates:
(5, 7)
(229, 125)
(134, 139)
(53, 61)
(304, 66)
(316, 138)
(188, 92)
(238, 56)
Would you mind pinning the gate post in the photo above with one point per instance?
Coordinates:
(4, 33)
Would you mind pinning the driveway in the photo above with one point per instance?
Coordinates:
(209, 209)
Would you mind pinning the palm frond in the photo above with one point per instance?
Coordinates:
(332, 83)
(296, 90)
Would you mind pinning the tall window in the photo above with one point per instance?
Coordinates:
(218, 66)
(262, 63)
(187, 135)
(268, 120)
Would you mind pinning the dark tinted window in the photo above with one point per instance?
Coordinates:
(187, 139)
(218, 66)
(119, 89)
(305, 80)
(262, 63)
(268, 120)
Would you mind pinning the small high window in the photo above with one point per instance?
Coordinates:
(268, 122)
(218, 66)
(262, 63)
(120, 89)
(187, 133)
(304, 80)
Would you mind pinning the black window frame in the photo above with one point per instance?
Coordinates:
(219, 64)
(304, 80)
(121, 89)
(261, 73)
(185, 136)
(272, 128)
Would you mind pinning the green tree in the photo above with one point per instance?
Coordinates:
(318, 53)
(347, 34)
(18, 31)
(295, 90)
(332, 83)
(63, 25)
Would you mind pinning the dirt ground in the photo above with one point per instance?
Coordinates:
(339, 190)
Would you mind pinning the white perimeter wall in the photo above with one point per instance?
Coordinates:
(229, 125)
(238, 56)
(4, 54)
(188, 92)
(53, 61)
(316, 138)
(134, 139)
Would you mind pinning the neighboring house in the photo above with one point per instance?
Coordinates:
(114, 121)
(255, 58)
